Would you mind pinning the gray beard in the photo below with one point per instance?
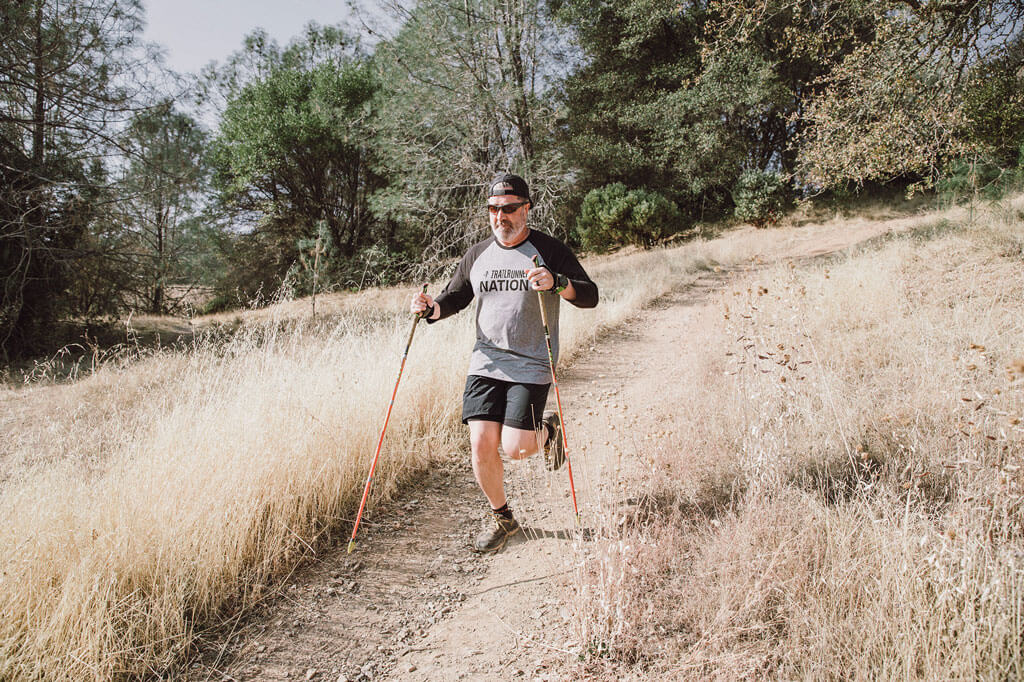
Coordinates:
(507, 234)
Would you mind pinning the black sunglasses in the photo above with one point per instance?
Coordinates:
(507, 209)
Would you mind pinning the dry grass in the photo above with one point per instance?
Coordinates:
(157, 497)
(844, 496)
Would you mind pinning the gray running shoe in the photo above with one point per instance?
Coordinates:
(554, 448)
(494, 538)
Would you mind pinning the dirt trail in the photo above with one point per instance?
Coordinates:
(415, 604)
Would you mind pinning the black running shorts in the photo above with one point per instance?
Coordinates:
(520, 406)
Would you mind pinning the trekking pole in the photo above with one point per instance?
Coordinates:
(387, 417)
(558, 397)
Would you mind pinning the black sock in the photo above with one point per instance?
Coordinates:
(504, 511)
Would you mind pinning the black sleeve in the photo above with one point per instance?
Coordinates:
(557, 257)
(459, 291)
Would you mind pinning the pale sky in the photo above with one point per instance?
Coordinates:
(195, 32)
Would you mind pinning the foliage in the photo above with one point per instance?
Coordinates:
(994, 105)
(636, 55)
(612, 216)
(104, 271)
(869, 125)
(900, 104)
(976, 179)
(200, 247)
(161, 184)
(67, 78)
(105, 199)
(294, 148)
(260, 55)
(319, 267)
(466, 91)
(682, 98)
(798, 43)
(759, 197)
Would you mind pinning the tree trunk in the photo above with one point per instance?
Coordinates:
(514, 48)
(38, 109)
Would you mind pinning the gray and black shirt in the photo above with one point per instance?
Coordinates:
(509, 330)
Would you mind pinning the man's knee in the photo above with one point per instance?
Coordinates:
(520, 444)
(483, 440)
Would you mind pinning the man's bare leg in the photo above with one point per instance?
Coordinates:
(484, 437)
(520, 443)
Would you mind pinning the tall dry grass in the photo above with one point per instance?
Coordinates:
(843, 498)
(153, 499)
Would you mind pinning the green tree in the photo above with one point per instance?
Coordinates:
(612, 216)
(295, 148)
(994, 105)
(66, 80)
(162, 183)
(637, 56)
(683, 98)
(759, 197)
(260, 55)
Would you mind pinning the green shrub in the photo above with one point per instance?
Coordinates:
(759, 197)
(219, 303)
(376, 266)
(967, 179)
(614, 216)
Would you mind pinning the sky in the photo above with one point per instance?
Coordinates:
(195, 32)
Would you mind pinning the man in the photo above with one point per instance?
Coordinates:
(509, 375)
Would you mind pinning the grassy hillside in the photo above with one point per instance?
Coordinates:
(843, 497)
(156, 497)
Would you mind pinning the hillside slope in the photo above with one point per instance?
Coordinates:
(414, 604)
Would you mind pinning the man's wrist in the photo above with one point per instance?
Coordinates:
(559, 284)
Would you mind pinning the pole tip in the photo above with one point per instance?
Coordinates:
(351, 545)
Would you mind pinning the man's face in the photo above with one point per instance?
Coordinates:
(509, 223)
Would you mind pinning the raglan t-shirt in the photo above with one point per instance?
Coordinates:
(510, 341)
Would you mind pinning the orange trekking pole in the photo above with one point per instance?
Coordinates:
(558, 398)
(387, 417)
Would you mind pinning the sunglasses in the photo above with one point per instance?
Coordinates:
(507, 209)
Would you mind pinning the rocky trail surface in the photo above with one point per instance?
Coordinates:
(414, 603)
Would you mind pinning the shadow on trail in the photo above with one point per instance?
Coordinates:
(513, 583)
(530, 533)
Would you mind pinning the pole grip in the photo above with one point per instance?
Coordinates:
(540, 300)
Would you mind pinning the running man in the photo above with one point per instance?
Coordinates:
(509, 376)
